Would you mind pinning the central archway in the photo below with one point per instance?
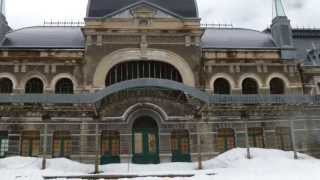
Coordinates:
(133, 54)
(145, 141)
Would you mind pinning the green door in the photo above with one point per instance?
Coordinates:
(145, 146)
(145, 141)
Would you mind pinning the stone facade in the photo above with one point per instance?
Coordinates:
(143, 37)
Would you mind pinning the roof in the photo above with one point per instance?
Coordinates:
(183, 8)
(42, 37)
(236, 38)
(306, 40)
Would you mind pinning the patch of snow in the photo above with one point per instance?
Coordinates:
(265, 164)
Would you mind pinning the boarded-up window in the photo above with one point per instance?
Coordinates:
(4, 143)
(256, 138)
(110, 143)
(283, 138)
(225, 139)
(30, 143)
(62, 144)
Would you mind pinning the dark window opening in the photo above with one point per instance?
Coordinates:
(64, 86)
(277, 86)
(249, 86)
(34, 86)
(6, 86)
(222, 86)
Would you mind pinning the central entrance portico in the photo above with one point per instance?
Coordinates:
(145, 141)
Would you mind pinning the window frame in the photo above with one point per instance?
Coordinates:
(32, 138)
(226, 135)
(63, 140)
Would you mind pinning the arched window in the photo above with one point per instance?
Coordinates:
(249, 86)
(180, 146)
(256, 138)
(34, 86)
(64, 86)
(221, 86)
(142, 69)
(30, 143)
(277, 86)
(110, 147)
(6, 86)
(225, 139)
(4, 144)
(62, 144)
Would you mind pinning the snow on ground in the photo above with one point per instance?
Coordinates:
(265, 164)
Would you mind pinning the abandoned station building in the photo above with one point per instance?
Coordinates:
(144, 81)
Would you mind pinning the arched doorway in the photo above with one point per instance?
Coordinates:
(145, 141)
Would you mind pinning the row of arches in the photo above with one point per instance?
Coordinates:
(248, 86)
(36, 86)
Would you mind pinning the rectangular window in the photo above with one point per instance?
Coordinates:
(152, 143)
(30, 143)
(180, 142)
(110, 143)
(62, 144)
(256, 137)
(4, 143)
(283, 138)
(225, 139)
(138, 143)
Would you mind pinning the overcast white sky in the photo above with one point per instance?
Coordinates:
(256, 14)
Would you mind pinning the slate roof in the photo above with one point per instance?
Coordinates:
(183, 8)
(42, 37)
(236, 38)
(305, 40)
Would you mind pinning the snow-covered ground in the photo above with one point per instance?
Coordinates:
(265, 164)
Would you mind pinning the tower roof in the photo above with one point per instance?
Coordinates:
(183, 8)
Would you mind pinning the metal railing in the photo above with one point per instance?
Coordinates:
(91, 98)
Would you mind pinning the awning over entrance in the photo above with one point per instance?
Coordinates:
(92, 98)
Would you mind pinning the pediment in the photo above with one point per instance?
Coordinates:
(143, 10)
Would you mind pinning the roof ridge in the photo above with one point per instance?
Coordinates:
(30, 27)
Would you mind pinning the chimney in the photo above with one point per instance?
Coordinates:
(281, 31)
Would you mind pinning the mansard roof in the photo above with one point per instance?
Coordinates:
(183, 8)
(236, 38)
(44, 37)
